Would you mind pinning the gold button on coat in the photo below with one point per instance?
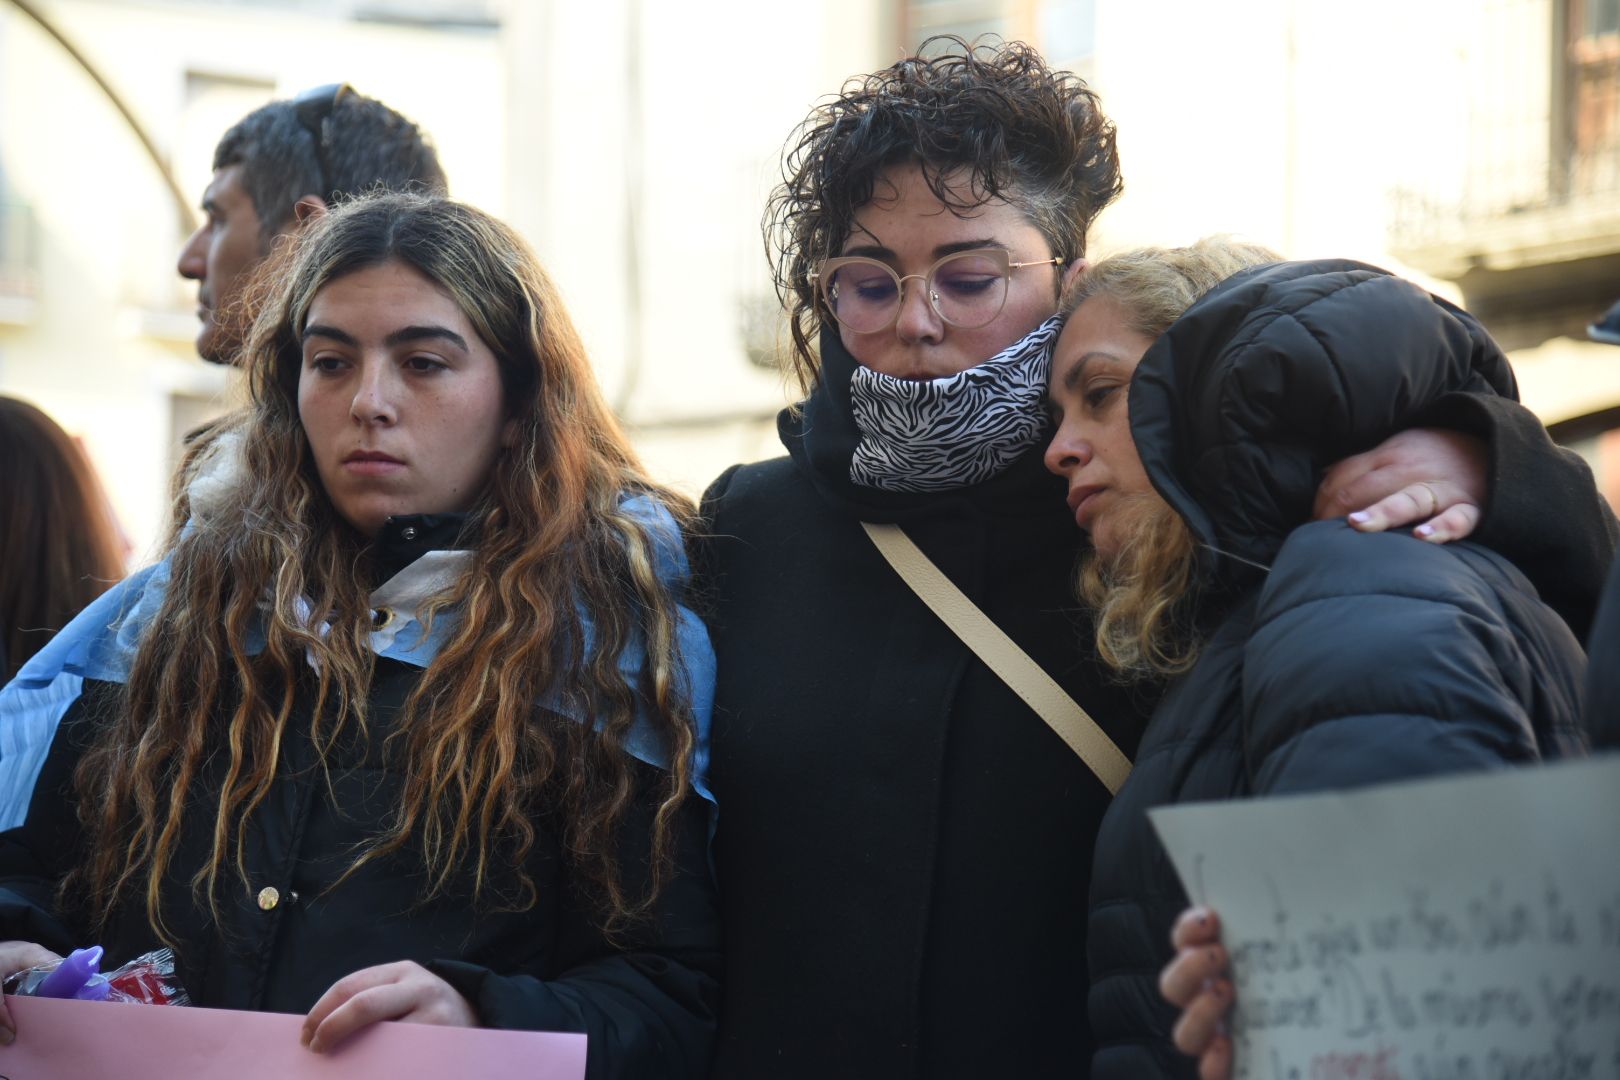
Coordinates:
(268, 898)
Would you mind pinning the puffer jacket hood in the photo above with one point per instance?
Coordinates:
(1278, 373)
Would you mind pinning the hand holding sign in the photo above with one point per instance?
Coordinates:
(1454, 929)
(1197, 981)
(18, 956)
(404, 991)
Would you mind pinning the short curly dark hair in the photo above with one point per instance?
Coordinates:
(1018, 130)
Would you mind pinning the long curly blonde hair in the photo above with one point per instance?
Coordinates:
(1142, 599)
(553, 540)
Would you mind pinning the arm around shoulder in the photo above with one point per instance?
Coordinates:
(1545, 513)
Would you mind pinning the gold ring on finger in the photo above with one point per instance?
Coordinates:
(1434, 500)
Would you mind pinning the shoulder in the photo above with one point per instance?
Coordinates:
(760, 501)
(1328, 560)
(101, 640)
(663, 532)
(742, 484)
(1378, 657)
(1383, 602)
(1387, 623)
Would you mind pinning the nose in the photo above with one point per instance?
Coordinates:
(374, 395)
(194, 256)
(1068, 451)
(918, 321)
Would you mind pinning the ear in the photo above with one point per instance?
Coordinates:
(1072, 274)
(308, 209)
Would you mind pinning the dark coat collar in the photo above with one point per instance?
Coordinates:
(407, 537)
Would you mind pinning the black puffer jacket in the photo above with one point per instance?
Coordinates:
(1357, 658)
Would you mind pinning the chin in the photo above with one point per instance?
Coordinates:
(1105, 544)
(212, 348)
(205, 346)
(367, 522)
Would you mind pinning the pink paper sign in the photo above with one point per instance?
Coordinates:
(98, 1040)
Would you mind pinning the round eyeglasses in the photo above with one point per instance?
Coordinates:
(967, 289)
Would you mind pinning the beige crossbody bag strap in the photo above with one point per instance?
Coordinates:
(1002, 655)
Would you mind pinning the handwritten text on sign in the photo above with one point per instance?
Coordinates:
(1458, 929)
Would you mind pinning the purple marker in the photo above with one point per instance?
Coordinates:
(76, 977)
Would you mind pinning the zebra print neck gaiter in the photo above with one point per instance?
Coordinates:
(943, 434)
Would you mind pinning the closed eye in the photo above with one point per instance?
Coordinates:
(1096, 397)
(967, 285)
(874, 290)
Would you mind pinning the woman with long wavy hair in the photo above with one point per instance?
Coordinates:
(407, 723)
(59, 545)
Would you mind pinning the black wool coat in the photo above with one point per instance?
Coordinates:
(904, 846)
(1353, 659)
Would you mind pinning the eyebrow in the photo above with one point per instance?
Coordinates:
(398, 337)
(426, 333)
(878, 251)
(1072, 377)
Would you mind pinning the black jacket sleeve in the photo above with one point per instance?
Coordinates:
(1544, 511)
(1603, 683)
(648, 997)
(36, 855)
(1379, 657)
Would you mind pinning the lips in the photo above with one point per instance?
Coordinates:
(371, 463)
(1083, 501)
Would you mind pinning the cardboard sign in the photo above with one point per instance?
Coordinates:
(91, 1040)
(1458, 929)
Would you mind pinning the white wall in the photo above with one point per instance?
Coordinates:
(1286, 121)
(675, 163)
(1294, 122)
(111, 337)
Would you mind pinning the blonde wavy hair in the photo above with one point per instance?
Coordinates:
(482, 761)
(1142, 599)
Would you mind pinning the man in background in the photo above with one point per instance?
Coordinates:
(276, 168)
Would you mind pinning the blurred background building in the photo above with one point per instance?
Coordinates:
(1474, 144)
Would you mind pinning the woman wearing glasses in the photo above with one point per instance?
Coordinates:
(905, 850)
(409, 723)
